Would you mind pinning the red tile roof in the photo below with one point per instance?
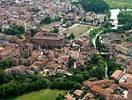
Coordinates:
(99, 90)
(126, 85)
(117, 74)
(100, 82)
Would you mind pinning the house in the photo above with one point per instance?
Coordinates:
(117, 74)
(100, 82)
(115, 97)
(69, 97)
(110, 90)
(97, 87)
(17, 70)
(78, 93)
(111, 37)
(129, 47)
(99, 90)
(121, 76)
(6, 51)
(88, 96)
(124, 48)
(8, 38)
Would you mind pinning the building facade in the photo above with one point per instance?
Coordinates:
(48, 39)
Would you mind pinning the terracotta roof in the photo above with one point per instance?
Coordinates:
(99, 90)
(100, 82)
(117, 74)
(115, 97)
(126, 85)
(7, 50)
(114, 86)
(69, 97)
(78, 92)
(88, 96)
(48, 36)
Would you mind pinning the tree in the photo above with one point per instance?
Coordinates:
(4, 77)
(112, 66)
(46, 20)
(34, 31)
(14, 30)
(77, 86)
(129, 39)
(107, 24)
(97, 6)
(78, 77)
(55, 30)
(71, 62)
(95, 58)
(19, 87)
(98, 68)
(60, 97)
(125, 19)
(57, 18)
(71, 36)
(6, 63)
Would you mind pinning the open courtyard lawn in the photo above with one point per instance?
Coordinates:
(78, 29)
(46, 94)
(119, 3)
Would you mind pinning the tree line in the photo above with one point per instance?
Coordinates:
(97, 6)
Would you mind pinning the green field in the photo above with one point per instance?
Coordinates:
(78, 30)
(45, 94)
(119, 3)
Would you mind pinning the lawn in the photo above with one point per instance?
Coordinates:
(45, 94)
(119, 3)
(78, 30)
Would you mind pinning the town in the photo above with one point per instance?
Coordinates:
(79, 50)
